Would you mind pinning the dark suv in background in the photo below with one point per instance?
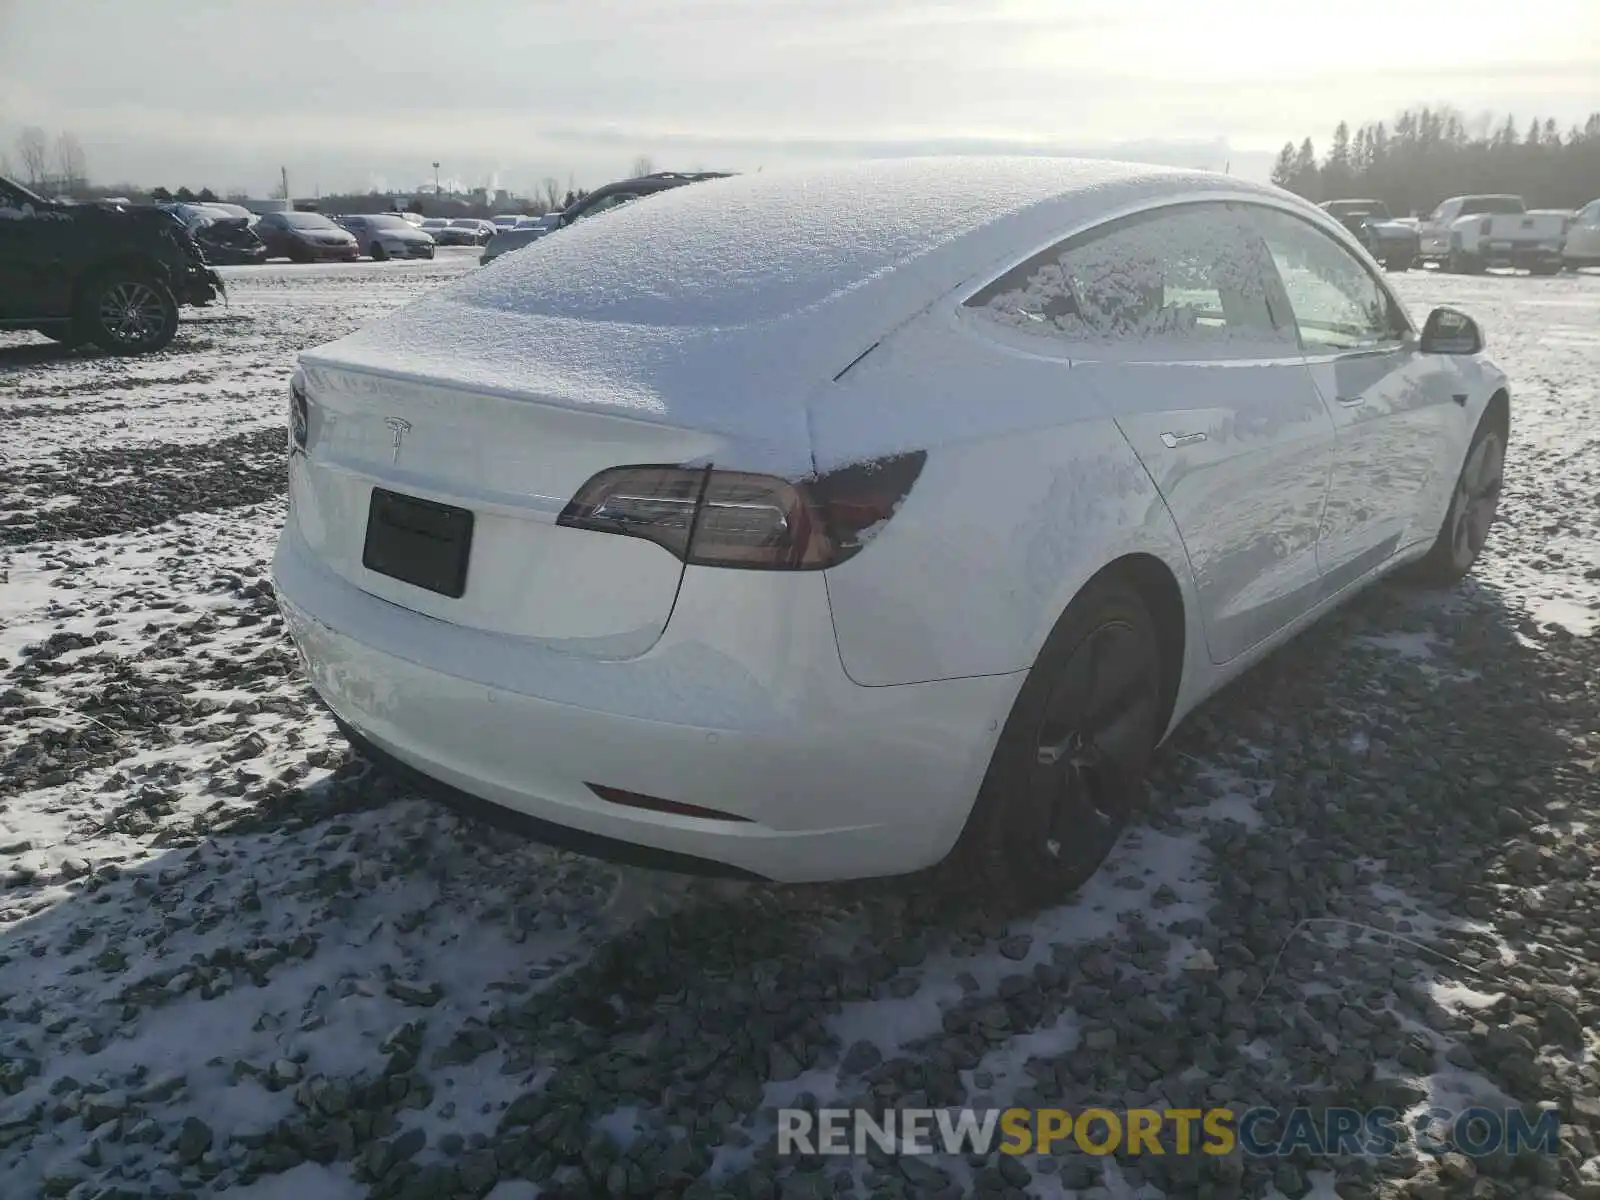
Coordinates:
(596, 202)
(112, 275)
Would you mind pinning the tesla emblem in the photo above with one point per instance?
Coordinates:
(399, 427)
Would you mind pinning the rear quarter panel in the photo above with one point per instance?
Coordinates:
(1029, 490)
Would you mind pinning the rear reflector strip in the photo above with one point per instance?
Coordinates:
(655, 804)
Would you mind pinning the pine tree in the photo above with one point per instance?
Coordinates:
(1428, 154)
(1283, 168)
(1336, 170)
(1304, 177)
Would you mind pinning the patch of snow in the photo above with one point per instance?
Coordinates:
(1407, 645)
(308, 1181)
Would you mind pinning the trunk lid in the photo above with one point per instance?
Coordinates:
(507, 417)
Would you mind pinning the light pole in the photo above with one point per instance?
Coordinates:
(435, 183)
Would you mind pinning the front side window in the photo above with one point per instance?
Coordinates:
(1191, 275)
(1338, 304)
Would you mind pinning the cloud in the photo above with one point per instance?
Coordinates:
(343, 93)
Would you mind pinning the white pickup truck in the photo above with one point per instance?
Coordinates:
(1468, 234)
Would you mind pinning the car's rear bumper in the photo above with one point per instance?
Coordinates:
(815, 776)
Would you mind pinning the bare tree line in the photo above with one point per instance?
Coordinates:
(60, 167)
(49, 167)
(1430, 154)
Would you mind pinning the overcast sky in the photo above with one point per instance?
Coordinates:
(351, 94)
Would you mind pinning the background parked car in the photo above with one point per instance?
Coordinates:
(527, 231)
(604, 199)
(114, 276)
(478, 231)
(388, 235)
(234, 210)
(306, 237)
(224, 238)
(1467, 234)
(614, 194)
(446, 232)
(1393, 243)
(1582, 247)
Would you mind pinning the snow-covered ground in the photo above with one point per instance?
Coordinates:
(234, 959)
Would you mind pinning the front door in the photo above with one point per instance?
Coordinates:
(1390, 403)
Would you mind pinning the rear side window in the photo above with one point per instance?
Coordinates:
(1191, 275)
(1498, 205)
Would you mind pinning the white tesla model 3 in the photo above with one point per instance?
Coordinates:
(827, 524)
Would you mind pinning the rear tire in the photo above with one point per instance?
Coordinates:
(1069, 765)
(1398, 264)
(1473, 505)
(379, 254)
(1545, 269)
(1462, 263)
(127, 312)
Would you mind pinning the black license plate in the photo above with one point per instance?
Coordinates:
(419, 542)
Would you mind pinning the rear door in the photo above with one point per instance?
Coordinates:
(35, 276)
(1175, 331)
(1392, 405)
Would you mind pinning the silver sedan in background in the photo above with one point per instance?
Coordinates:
(388, 235)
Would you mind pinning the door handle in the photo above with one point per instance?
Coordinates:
(1173, 440)
(1352, 401)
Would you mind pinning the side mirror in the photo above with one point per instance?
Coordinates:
(1448, 331)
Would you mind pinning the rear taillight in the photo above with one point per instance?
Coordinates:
(714, 518)
(1485, 225)
(299, 418)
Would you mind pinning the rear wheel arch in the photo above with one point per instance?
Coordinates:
(1158, 587)
(1032, 838)
(142, 265)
